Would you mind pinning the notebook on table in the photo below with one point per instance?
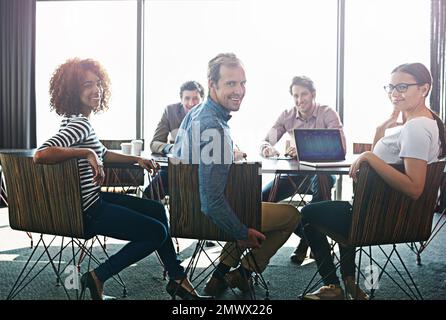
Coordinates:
(321, 148)
(158, 157)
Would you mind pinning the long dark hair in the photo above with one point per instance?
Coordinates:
(422, 76)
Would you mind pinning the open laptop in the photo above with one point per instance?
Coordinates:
(320, 148)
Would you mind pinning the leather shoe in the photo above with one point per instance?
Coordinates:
(353, 291)
(209, 244)
(215, 286)
(236, 280)
(175, 289)
(87, 281)
(330, 292)
(300, 253)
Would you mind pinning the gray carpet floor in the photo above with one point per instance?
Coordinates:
(144, 280)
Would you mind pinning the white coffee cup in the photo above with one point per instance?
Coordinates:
(136, 147)
(126, 148)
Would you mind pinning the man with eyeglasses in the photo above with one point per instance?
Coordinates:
(305, 114)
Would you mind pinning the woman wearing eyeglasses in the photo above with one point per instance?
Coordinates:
(415, 143)
(79, 88)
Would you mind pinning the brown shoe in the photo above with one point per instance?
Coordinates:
(330, 292)
(235, 280)
(353, 291)
(215, 286)
(300, 253)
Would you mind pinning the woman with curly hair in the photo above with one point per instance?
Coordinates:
(79, 88)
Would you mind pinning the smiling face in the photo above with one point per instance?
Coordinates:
(412, 98)
(90, 92)
(229, 90)
(190, 98)
(304, 100)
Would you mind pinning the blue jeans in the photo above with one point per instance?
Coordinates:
(335, 216)
(140, 221)
(286, 189)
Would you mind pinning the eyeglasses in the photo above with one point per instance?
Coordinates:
(400, 87)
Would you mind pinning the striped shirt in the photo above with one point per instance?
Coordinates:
(77, 132)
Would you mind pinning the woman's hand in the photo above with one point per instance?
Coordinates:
(391, 122)
(354, 168)
(97, 166)
(150, 165)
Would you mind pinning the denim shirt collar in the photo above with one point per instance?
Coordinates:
(221, 112)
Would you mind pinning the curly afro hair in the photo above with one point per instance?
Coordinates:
(65, 86)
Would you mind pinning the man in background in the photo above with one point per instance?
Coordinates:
(191, 94)
(305, 114)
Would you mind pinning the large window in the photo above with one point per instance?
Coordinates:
(102, 30)
(379, 35)
(275, 39)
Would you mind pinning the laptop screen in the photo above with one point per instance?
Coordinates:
(319, 145)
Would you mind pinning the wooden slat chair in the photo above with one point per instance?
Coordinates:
(416, 247)
(384, 216)
(360, 147)
(3, 201)
(46, 199)
(243, 191)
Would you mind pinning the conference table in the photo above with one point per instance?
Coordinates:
(281, 167)
(278, 167)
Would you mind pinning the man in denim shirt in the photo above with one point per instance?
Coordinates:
(204, 138)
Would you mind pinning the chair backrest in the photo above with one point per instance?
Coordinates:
(359, 148)
(382, 215)
(243, 192)
(3, 201)
(43, 198)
